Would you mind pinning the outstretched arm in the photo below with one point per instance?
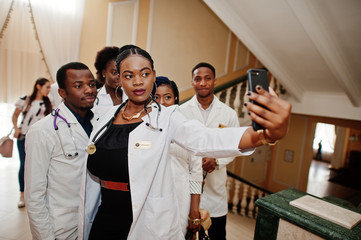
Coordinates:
(230, 142)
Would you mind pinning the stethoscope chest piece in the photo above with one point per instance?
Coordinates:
(91, 149)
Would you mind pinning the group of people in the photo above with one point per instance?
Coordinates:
(124, 161)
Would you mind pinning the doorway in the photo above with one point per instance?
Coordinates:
(324, 142)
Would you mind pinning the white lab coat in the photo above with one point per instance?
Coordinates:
(104, 99)
(155, 211)
(214, 196)
(52, 181)
(104, 102)
(186, 171)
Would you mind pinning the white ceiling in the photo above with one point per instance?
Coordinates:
(313, 47)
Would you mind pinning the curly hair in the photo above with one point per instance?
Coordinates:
(102, 58)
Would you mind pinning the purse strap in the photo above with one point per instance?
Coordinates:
(11, 132)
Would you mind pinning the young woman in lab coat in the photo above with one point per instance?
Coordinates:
(128, 189)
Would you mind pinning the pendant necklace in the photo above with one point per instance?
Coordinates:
(131, 117)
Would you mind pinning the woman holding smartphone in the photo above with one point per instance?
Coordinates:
(128, 188)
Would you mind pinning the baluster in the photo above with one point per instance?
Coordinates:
(218, 94)
(237, 100)
(260, 194)
(228, 186)
(235, 201)
(245, 99)
(244, 199)
(251, 203)
(228, 96)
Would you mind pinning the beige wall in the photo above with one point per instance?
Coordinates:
(178, 35)
(184, 33)
(291, 172)
(282, 174)
(94, 31)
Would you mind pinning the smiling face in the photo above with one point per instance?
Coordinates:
(165, 95)
(80, 91)
(203, 82)
(137, 78)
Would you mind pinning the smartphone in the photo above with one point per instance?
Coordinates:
(257, 77)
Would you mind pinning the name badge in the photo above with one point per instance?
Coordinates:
(143, 145)
(221, 125)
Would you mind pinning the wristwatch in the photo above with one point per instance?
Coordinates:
(195, 221)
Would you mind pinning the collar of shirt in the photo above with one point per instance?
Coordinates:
(205, 112)
(84, 122)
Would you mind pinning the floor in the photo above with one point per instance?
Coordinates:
(13, 220)
(318, 184)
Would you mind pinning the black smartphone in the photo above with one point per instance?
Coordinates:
(257, 77)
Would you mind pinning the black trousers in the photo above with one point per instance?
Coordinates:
(217, 231)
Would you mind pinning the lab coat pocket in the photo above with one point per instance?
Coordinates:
(162, 217)
(65, 221)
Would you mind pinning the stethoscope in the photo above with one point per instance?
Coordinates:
(56, 114)
(91, 148)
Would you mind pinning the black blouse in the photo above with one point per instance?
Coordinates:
(110, 163)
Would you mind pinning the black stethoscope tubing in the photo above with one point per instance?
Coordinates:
(108, 124)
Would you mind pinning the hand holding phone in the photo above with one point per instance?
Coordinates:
(257, 77)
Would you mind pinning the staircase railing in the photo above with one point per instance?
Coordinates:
(244, 194)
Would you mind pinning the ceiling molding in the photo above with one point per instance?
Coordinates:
(317, 26)
(235, 22)
(312, 48)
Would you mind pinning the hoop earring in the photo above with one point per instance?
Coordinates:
(116, 95)
(154, 90)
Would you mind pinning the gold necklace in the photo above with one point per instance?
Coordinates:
(131, 117)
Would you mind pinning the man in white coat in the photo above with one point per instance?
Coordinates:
(55, 148)
(206, 108)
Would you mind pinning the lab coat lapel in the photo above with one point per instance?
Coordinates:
(196, 113)
(75, 125)
(103, 120)
(142, 171)
(213, 115)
